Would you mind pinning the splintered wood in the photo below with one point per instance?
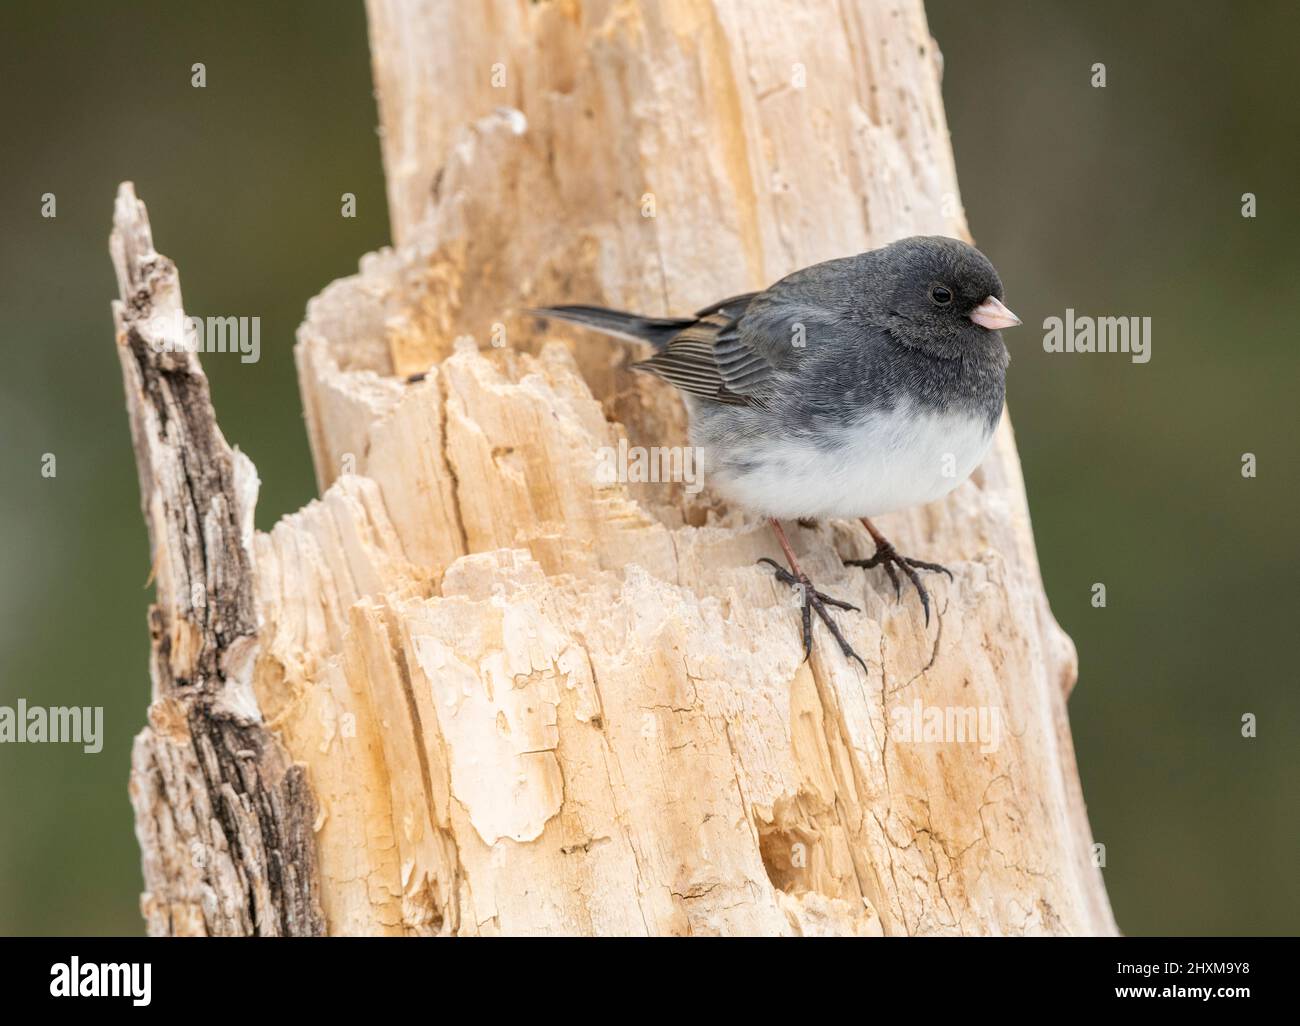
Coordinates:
(529, 696)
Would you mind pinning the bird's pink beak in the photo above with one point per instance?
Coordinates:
(992, 314)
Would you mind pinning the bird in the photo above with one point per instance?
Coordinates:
(852, 388)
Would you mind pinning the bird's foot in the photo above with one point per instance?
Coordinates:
(888, 557)
(811, 600)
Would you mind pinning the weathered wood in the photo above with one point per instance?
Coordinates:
(532, 700)
(223, 818)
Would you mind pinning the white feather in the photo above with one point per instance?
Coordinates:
(886, 462)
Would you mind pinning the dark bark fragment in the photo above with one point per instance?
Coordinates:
(225, 820)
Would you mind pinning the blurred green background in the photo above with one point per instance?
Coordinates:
(1117, 201)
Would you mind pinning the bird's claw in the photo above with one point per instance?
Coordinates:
(888, 557)
(811, 600)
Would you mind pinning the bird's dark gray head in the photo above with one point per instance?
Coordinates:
(942, 296)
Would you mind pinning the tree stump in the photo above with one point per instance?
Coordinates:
(480, 687)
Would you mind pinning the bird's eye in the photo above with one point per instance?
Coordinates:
(940, 294)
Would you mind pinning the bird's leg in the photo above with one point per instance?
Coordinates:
(888, 557)
(810, 599)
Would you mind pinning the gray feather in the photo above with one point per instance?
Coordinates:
(655, 330)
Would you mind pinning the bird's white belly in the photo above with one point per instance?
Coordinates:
(889, 461)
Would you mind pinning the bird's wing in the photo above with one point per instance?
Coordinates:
(713, 359)
(733, 307)
(745, 350)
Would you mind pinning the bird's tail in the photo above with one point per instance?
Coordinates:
(655, 330)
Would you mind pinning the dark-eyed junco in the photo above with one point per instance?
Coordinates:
(851, 388)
